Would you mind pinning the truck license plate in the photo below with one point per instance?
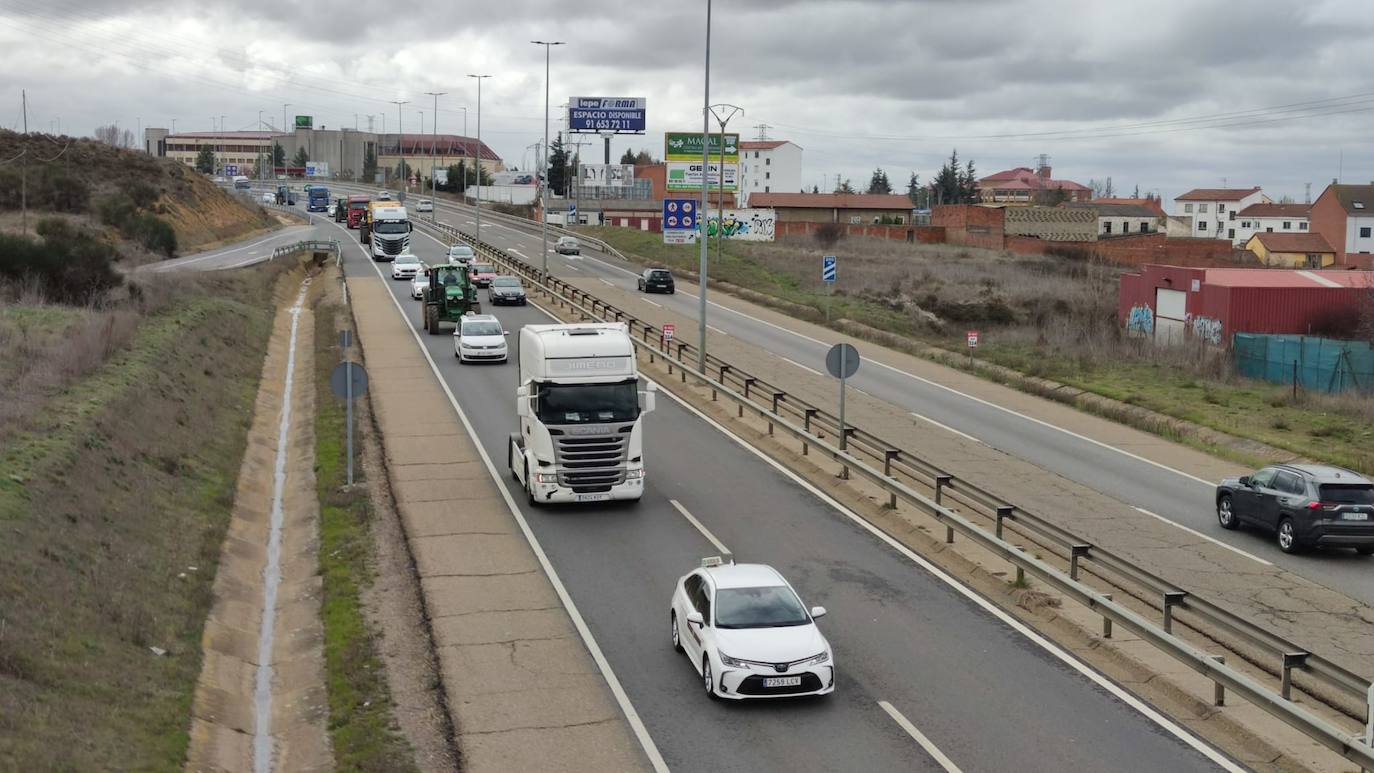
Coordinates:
(593, 497)
(782, 681)
(1356, 516)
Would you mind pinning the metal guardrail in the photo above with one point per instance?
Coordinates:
(782, 410)
(313, 245)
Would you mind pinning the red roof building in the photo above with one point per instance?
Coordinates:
(1026, 187)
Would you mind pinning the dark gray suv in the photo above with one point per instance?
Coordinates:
(1304, 505)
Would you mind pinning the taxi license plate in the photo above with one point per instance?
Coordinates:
(782, 681)
(1356, 516)
(593, 497)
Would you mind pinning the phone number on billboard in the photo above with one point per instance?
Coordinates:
(608, 124)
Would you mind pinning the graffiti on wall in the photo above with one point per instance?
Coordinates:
(752, 225)
(1206, 329)
(1141, 320)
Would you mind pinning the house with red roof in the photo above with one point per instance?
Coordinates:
(1269, 218)
(1291, 250)
(1212, 211)
(1023, 186)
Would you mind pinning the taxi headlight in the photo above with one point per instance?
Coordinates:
(824, 657)
(726, 660)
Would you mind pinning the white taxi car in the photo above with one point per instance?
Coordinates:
(406, 266)
(418, 285)
(747, 633)
(479, 338)
(425, 205)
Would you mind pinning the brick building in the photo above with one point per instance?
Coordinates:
(1023, 187)
(1344, 215)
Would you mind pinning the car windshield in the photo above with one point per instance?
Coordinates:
(459, 250)
(390, 228)
(769, 607)
(588, 403)
(1348, 494)
(483, 328)
(483, 268)
(407, 259)
(505, 281)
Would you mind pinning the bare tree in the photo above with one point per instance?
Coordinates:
(1102, 189)
(108, 134)
(1286, 199)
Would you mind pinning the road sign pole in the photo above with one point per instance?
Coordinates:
(349, 401)
(844, 473)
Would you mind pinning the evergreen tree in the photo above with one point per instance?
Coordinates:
(369, 165)
(969, 185)
(205, 160)
(815, 189)
(558, 167)
(914, 190)
(628, 157)
(844, 187)
(879, 183)
(301, 157)
(644, 157)
(948, 186)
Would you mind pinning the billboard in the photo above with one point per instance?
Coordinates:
(686, 176)
(305, 122)
(679, 221)
(744, 225)
(618, 115)
(606, 175)
(439, 174)
(316, 169)
(686, 146)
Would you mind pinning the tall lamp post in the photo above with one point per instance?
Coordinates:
(705, 188)
(544, 200)
(477, 199)
(722, 113)
(433, 145)
(283, 150)
(400, 140)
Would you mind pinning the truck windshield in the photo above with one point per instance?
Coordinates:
(390, 228)
(588, 403)
(357, 205)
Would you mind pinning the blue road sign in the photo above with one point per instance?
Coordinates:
(620, 115)
(231, 169)
(829, 268)
(679, 221)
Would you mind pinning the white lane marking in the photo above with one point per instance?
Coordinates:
(1016, 625)
(798, 364)
(570, 267)
(705, 532)
(219, 254)
(946, 427)
(636, 724)
(518, 252)
(1197, 533)
(605, 282)
(651, 303)
(717, 330)
(920, 737)
(271, 571)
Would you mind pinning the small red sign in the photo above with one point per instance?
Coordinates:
(669, 330)
(973, 339)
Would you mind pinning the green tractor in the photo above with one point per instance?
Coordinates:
(448, 297)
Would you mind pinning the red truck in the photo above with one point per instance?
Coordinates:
(357, 208)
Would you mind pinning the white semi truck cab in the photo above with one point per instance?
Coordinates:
(391, 229)
(581, 408)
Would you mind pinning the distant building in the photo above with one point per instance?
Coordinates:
(1024, 187)
(236, 153)
(1344, 214)
(1122, 219)
(1213, 210)
(1291, 250)
(768, 166)
(1269, 218)
(1148, 202)
(852, 208)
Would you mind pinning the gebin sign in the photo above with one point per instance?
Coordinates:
(619, 115)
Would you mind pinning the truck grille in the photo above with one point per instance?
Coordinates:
(392, 247)
(591, 463)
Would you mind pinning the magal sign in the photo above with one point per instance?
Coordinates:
(686, 146)
(619, 115)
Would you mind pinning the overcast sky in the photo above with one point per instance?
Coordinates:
(1167, 94)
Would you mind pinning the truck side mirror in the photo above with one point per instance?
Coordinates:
(650, 397)
(522, 402)
(409, 226)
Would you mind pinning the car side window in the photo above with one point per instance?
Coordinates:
(705, 603)
(1264, 478)
(1288, 483)
(692, 586)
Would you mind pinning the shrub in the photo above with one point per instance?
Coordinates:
(1336, 322)
(69, 265)
(828, 234)
(122, 211)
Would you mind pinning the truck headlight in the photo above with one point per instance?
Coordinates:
(634, 474)
(546, 477)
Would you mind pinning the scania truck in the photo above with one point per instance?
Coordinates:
(581, 409)
(387, 230)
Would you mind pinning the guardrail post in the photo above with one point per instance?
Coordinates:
(1218, 689)
(808, 414)
(1076, 552)
(748, 382)
(1172, 597)
(1291, 660)
(776, 397)
(1106, 621)
(888, 456)
(1004, 512)
(844, 443)
(940, 482)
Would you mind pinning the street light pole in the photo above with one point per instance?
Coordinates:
(477, 199)
(274, 144)
(400, 140)
(705, 187)
(433, 145)
(544, 198)
(729, 111)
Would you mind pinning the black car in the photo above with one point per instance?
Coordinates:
(506, 289)
(656, 280)
(1305, 505)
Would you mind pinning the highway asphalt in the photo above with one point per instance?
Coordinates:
(988, 696)
(1172, 494)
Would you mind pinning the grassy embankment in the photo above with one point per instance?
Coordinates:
(118, 479)
(362, 727)
(1043, 317)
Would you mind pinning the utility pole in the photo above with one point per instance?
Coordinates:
(577, 194)
(400, 140)
(433, 145)
(477, 198)
(728, 111)
(763, 131)
(274, 144)
(260, 146)
(705, 187)
(544, 197)
(24, 167)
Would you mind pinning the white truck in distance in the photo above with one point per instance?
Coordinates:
(581, 435)
(390, 235)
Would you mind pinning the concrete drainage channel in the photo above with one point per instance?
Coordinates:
(812, 426)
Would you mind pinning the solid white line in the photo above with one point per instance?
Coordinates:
(704, 531)
(636, 724)
(920, 737)
(716, 329)
(946, 427)
(799, 365)
(651, 303)
(1197, 533)
(570, 267)
(605, 282)
(1083, 668)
